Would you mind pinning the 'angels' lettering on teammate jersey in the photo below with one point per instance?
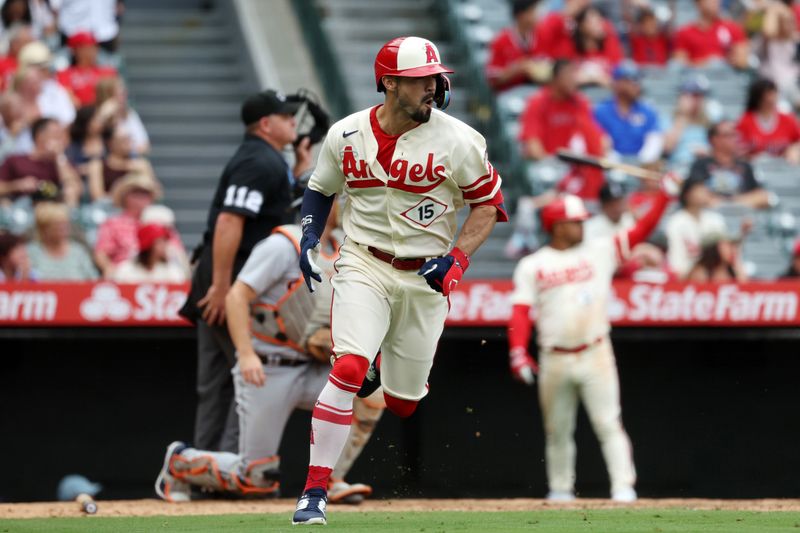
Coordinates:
(583, 271)
(403, 175)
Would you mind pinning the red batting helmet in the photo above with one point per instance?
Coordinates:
(412, 57)
(566, 208)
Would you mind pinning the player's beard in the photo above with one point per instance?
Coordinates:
(420, 113)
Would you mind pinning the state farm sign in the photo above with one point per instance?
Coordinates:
(148, 302)
(89, 304)
(720, 304)
(487, 303)
(481, 303)
(24, 305)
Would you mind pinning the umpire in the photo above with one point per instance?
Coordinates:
(253, 197)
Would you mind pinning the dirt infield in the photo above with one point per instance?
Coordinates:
(158, 508)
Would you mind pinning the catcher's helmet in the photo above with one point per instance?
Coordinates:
(566, 208)
(413, 57)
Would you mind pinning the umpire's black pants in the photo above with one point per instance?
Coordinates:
(216, 426)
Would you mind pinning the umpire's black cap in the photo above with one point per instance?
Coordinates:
(267, 103)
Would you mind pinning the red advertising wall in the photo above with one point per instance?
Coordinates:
(479, 303)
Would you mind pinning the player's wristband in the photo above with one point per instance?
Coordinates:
(461, 259)
(315, 211)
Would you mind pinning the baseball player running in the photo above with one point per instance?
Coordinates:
(407, 169)
(569, 284)
(274, 323)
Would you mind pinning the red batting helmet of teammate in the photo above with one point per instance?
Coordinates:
(565, 208)
(412, 57)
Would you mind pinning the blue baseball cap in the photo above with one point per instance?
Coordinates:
(627, 70)
(696, 84)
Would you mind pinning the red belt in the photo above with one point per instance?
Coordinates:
(576, 349)
(408, 263)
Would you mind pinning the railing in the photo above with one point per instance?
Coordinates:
(325, 60)
(502, 148)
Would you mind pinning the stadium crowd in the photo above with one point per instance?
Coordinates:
(78, 196)
(588, 69)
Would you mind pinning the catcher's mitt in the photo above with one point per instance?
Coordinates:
(319, 345)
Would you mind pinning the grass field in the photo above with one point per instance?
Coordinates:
(556, 521)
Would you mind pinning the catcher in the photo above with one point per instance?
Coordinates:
(283, 344)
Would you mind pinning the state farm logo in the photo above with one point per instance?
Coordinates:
(34, 305)
(106, 302)
(149, 302)
(720, 304)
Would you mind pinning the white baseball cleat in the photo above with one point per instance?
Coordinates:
(168, 487)
(560, 496)
(340, 491)
(626, 495)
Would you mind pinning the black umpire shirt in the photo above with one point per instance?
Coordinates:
(256, 185)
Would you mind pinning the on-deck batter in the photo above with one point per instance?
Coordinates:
(569, 284)
(407, 170)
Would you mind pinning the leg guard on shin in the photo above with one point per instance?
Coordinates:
(201, 471)
(261, 477)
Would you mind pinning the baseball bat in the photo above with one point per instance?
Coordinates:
(86, 503)
(606, 164)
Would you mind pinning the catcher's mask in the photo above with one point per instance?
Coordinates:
(312, 121)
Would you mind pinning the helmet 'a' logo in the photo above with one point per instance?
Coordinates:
(430, 54)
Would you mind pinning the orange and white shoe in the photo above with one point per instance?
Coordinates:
(340, 491)
(168, 487)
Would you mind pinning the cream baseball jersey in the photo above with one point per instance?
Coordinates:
(409, 211)
(570, 290)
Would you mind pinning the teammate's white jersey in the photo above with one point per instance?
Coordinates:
(436, 169)
(570, 290)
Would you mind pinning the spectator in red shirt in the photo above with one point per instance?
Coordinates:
(581, 33)
(25, 174)
(511, 53)
(82, 77)
(117, 238)
(557, 117)
(650, 42)
(553, 117)
(712, 37)
(763, 128)
(554, 33)
(595, 38)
